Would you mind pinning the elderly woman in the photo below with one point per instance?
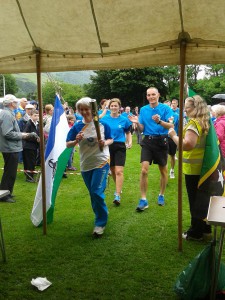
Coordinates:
(218, 111)
(94, 163)
(194, 137)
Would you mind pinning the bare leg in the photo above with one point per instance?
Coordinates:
(163, 179)
(144, 179)
(119, 179)
(172, 161)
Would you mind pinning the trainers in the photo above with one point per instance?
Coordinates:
(116, 193)
(161, 200)
(143, 204)
(172, 174)
(188, 237)
(98, 231)
(117, 200)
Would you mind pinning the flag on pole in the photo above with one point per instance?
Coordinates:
(56, 159)
(213, 171)
(191, 93)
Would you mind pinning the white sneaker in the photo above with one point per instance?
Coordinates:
(172, 175)
(98, 231)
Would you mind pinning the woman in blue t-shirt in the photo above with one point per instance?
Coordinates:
(122, 139)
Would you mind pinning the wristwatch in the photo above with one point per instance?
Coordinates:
(159, 122)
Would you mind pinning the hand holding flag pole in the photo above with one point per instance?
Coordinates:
(94, 110)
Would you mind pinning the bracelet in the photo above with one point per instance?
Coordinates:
(159, 122)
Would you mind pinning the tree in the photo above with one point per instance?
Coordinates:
(171, 77)
(10, 84)
(215, 70)
(208, 87)
(127, 84)
(70, 92)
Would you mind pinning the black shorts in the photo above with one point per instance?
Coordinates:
(172, 147)
(117, 152)
(155, 149)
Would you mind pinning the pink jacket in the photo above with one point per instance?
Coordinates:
(220, 131)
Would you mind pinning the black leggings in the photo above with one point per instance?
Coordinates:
(198, 203)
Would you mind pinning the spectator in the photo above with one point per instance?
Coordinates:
(10, 145)
(20, 111)
(47, 120)
(174, 106)
(218, 111)
(30, 146)
(194, 138)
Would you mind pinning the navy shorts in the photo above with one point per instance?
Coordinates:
(155, 149)
(117, 152)
(172, 147)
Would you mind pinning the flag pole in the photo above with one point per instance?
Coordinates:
(180, 147)
(42, 146)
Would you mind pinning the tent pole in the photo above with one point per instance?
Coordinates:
(42, 146)
(180, 147)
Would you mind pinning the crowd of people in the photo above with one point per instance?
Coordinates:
(156, 126)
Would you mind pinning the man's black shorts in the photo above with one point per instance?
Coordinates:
(172, 147)
(155, 149)
(117, 154)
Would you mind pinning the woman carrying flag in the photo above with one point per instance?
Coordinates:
(194, 141)
(94, 160)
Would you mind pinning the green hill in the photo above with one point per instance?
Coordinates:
(27, 82)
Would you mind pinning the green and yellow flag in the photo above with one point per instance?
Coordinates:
(213, 169)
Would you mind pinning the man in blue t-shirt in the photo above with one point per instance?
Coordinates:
(154, 122)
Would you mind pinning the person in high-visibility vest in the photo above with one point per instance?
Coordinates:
(194, 137)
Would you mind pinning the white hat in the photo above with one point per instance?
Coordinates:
(9, 99)
(29, 106)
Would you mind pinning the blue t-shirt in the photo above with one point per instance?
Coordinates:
(101, 111)
(78, 116)
(150, 126)
(119, 126)
(126, 116)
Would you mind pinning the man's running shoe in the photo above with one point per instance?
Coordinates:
(161, 200)
(143, 204)
(116, 200)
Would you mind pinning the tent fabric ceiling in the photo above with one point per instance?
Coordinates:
(75, 35)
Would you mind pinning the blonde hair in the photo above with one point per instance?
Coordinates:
(200, 111)
(48, 108)
(117, 100)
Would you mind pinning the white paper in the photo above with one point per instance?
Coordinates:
(41, 283)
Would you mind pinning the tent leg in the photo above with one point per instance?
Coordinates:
(2, 244)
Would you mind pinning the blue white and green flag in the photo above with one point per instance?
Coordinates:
(56, 159)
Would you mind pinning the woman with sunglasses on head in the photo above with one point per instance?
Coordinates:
(194, 138)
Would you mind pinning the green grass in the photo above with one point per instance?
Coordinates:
(137, 258)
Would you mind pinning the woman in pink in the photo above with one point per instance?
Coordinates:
(218, 111)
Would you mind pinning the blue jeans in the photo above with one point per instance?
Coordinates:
(96, 181)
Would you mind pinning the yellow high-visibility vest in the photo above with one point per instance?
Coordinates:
(192, 160)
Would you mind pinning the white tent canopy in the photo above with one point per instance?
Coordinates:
(102, 34)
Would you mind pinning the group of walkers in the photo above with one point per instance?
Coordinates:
(157, 124)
